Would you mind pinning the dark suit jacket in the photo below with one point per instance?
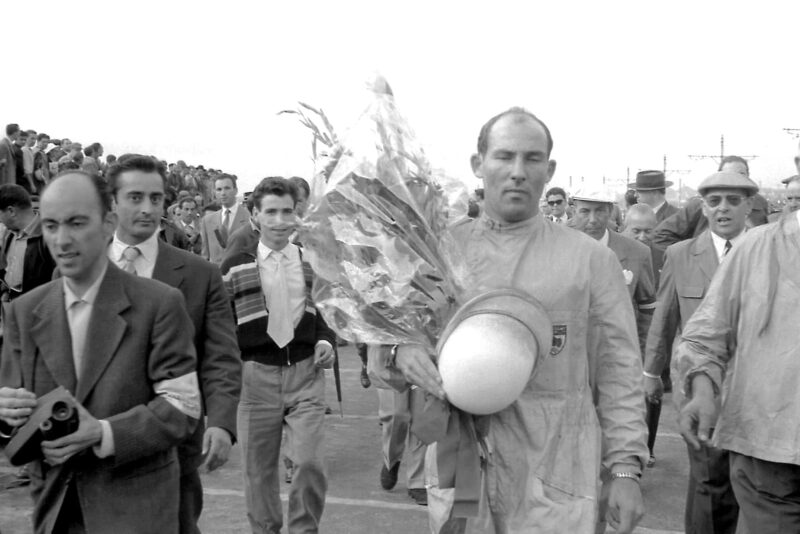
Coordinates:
(38, 265)
(635, 257)
(139, 335)
(687, 273)
(665, 211)
(219, 368)
(8, 172)
(213, 250)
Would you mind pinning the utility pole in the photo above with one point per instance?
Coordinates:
(679, 172)
(721, 156)
(794, 132)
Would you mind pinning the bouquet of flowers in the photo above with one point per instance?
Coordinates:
(376, 231)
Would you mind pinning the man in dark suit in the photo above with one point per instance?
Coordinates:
(137, 185)
(651, 189)
(122, 346)
(8, 163)
(688, 271)
(216, 228)
(689, 221)
(285, 343)
(25, 261)
(593, 207)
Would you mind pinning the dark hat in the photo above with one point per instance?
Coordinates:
(727, 180)
(649, 181)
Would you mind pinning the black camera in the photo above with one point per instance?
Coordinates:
(63, 421)
(56, 416)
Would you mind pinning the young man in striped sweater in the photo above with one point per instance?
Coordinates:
(285, 346)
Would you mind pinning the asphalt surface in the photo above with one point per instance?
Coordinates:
(355, 503)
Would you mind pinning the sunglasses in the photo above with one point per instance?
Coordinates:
(715, 200)
(555, 202)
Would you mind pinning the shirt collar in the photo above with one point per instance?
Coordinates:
(89, 297)
(604, 240)
(290, 251)
(28, 230)
(518, 227)
(148, 248)
(719, 242)
(659, 206)
(798, 216)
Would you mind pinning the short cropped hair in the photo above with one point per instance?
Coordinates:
(734, 159)
(100, 187)
(556, 191)
(226, 177)
(134, 162)
(42, 136)
(301, 184)
(13, 195)
(273, 185)
(486, 130)
(11, 129)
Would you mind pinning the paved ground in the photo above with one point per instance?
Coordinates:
(356, 504)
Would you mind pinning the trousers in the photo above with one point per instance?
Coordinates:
(272, 395)
(768, 494)
(394, 412)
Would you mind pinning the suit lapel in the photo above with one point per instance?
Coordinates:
(105, 331)
(619, 247)
(789, 250)
(706, 255)
(168, 267)
(50, 333)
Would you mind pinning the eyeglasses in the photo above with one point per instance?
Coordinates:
(715, 200)
(555, 202)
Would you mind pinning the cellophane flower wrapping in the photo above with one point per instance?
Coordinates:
(376, 233)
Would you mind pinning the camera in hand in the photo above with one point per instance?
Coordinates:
(56, 416)
(62, 422)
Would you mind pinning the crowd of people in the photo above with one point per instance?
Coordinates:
(179, 335)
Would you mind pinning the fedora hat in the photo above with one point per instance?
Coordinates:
(490, 349)
(649, 181)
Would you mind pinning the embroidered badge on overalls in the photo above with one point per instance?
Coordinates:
(559, 339)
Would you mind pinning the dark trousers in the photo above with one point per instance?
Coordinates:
(70, 517)
(652, 417)
(191, 502)
(711, 506)
(768, 494)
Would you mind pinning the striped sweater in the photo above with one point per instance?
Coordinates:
(243, 283)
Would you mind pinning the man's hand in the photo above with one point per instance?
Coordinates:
(216, 447)
(625, 506)
(417, 366)
(653, 389)
(89, 433)
(697, 419)
(16, 405)
(323, 355)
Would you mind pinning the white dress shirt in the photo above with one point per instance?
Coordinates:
(719, 244)
(79, 313)
(604, 240)
(144, 263)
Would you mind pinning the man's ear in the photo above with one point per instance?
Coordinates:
(475, 161)
(551, 170)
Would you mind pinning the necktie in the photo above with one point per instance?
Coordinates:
(129, 255)
(226, 221)
(727, 248)
(279, 322)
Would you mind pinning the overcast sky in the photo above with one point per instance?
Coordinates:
(621, 84)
